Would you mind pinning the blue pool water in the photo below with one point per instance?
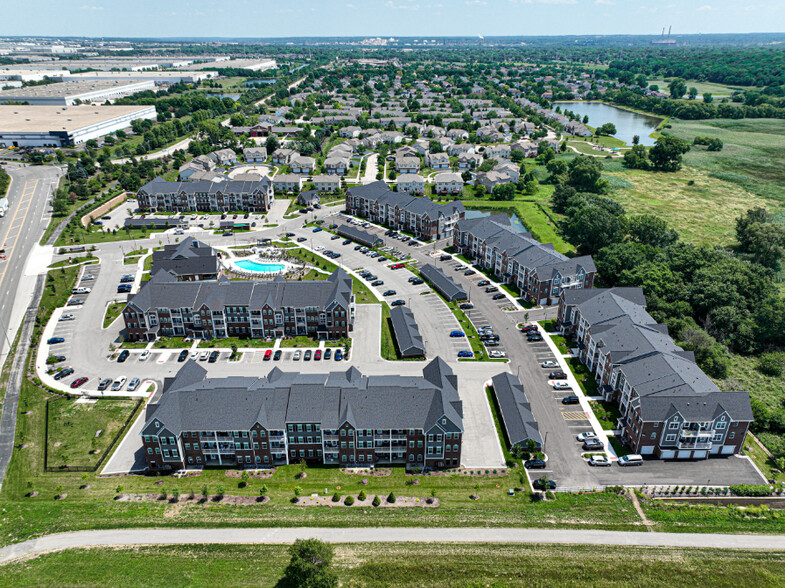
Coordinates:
(255, 266)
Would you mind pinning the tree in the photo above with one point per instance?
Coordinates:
(637, 158)
(272, 144)
(593, 228)
(586, 119)
(606, 129)
(677, 88)
(693, 93)
(310, 565)
(584, 174)
(503, 192)
(708, 98)
(666, 155)
(651, 230)
(636, 139)
(434, 146)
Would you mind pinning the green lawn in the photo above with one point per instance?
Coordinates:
(112, 312)
(78, 433)
(299, 341)
(446, 565)
(87, 258)
(80, 236)
(607, 413)
(389, 350)
(585, 378)
(227, 342)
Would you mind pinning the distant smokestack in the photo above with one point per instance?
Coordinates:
(669, 31)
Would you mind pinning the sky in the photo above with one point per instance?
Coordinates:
(292, 18)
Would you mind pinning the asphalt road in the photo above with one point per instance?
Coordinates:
(119, 537)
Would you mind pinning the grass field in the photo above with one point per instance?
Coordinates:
(716, 90)
(392, 564)
(112, 312)
(78, 433)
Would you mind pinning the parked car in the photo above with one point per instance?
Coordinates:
(118, 384)
(301, 239)
(549, 364)
(530, 328)
(499, 296)
(466, 306)
(570, 400)
(491, 289)
(633, 459)
(534, 338)
(457, 334)
(317, 355)
(587, 435)
(445, 257)
(55, 340)
(75, 302)
(133, 384)
(491, 343)
(307, 355)
(535, 464)
(145, 355)
(58, 358)
(334, 237)
(377, 283)
(64, 373)
(328, 353)
(372, 278)
(183, 355)
(389, 293)
(398, 303)
(469, 272)
(599, 461)
(496, 354)
(277, 355)
(204, 355)
(358, 247)
(416, 282)
(396, 266)
(123, 288)
(347, 241)
(297, 355)
(78, 382)
(127, 278)
(67, 317)
(483, 283)
(593, 445)
(123, 356)
(544, 484)
(104, 384)
(338, 355)
(81, 290)
(268, 355)
(558, 385)
(214, 356)
(465, 353)
(317, 229)
(489, 336)
(557, 376)
(88, 277)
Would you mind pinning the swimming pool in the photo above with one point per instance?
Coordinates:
(256, 266)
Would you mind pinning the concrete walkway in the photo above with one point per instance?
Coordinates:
(115, 537)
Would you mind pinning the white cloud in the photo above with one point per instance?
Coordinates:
(544, 1)
(401, 6)
(476, 3)
(705, 8)
(90, 7)
(604, 2)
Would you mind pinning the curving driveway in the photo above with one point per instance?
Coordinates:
(117, 537)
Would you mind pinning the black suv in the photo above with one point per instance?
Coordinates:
(123, 356)
(214, 356)
(183, 355)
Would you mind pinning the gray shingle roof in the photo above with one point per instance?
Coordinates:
(516, 413)
(187, 257)
(407, 333)
(439, 280)
(358, 235)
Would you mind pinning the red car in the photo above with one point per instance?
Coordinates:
(317, 355)
(396, 266)
(268, 355)
(78, 382)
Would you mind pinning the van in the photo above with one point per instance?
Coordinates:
(630, 460)
(80, 290)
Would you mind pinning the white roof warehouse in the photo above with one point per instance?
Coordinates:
(58, 126)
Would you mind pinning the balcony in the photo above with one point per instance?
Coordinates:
(693, 444)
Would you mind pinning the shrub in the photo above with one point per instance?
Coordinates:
(349, 500)
(771, 364)
(119, 489)
(361, 495)
(220, 491)
(750, 490)
(336, 497)
(376, 501)
(297, 490)
(263, 491)
(391, 498)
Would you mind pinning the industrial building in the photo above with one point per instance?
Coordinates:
(68, 93)
(61, 126)
(158, 77)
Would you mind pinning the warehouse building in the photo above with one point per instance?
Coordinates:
(157, 77)
(69, 93)
(62, 126)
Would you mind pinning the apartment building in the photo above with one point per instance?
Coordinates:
(338, 418)
(420, 216)
(670, 408)
(189, 260)
(539, 271)
(158, 195)
(166, 307)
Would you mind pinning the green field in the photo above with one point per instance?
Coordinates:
(446, 565)
(112, 312)
(716, 90)
(79, 432)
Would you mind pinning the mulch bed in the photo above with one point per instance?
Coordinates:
(376, 472)
(468, 472)
(197, 499)
(400, 501)
(255, 474)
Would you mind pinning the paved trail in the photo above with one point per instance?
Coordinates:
(116, 537)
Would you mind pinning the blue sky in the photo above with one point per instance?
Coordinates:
(283, 18)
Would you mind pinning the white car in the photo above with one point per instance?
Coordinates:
(561, 385)
(599, 461)
(67, 317)
(297, 355)
(118, 383)
(204, 356)
(145, 354)
(549, 364)
(587, 435)
(88, 277)
(133, 384)
(496, 354)
(194, 354)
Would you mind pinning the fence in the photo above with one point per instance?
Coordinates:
(104, 455)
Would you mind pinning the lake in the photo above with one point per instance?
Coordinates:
(627, 123)
(234, 97)
(516, 223)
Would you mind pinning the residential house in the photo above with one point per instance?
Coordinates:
(437, 160)
(407, 165)
(458, 149)
(224, 157)
(189, 261)
(497, 152)
(469, 161)
(411, 184)
(448, 183)
(287, 183)
(284, 156)
(528, 148)
(302, 165)
(308, 198)
(327, 183)
(577, 128)
(337, 165)
(458, 134)
(255, 154)
(349, 132)
(509, 168)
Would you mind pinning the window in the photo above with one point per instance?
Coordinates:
(150, 450)
(673, 425)
(411, 443)
(670, 438)
(731, 435)
(448, 436)
(654, 435)
(430, 438)
(411, 457)
(166, 453)
(455, 448)
(721, 425)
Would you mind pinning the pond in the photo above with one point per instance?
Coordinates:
(627, 123)
(259, 82)
(516, 223)
(234, 97)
